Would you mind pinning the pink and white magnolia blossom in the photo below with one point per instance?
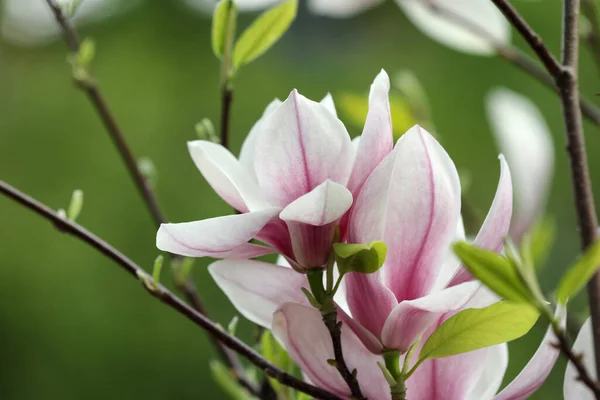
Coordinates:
(411, 201)
(573, 388)
(294, 181)
(524, 137)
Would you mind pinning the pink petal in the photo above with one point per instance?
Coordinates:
(227, 176)
(257, 288)
(276, 234)
(584, 344)
(300, 145)
(312, 221)
(214, 237)
(248, 151)
(377, 138)
(489, 382)
(537, 369)
(497, 222)
(411, 202)
(302, 332)
(410, 319)
(369, 300)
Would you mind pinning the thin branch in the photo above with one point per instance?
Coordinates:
(163, 294)
(512, 55)
(227, 99)
(89, 86)
(591, 12)
(335, 330)
(565, 75)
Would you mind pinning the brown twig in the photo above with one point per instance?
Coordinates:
(89, 86)
(227, 99)
(565, 77)
(513, 55)
(163, 294)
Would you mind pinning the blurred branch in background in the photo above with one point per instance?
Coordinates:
(591, 33)
(87, 83)
(515, 57)
(163, 294)
(565, 75)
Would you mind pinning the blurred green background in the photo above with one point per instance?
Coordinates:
(72, 324)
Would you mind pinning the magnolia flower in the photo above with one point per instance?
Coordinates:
(412, 202)
(525, 139)
(294, 181)
(31, 22)
(584, 344)
(447, 22)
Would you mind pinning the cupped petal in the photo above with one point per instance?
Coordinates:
(303, 334)
(340, 9)
(537, 369)
(584, 344)
(257, 289)
(377, 138)
(369, 300)
(413, 196)
(247, 153)
(410, 319)
(437, 19)
(312, 220)
(489, 382)
(497, 222)
(213, 237)
(300, 145)
(524, 137)
(227, 176)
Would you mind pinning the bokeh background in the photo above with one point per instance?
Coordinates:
(72, 324)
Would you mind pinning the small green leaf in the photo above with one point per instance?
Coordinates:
(158, 263)
(496, 272)
(148, 170)
(476, 328)
(227, 382)
(87, 51)
(579, 274)
(223, 26)
(232, 327)
(76, 205)
(264, 32)
(364, 258)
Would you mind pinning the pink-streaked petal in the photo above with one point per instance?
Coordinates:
(257, 289)
(584, 344)
(411, 318)
(249, 146)
(214, 236)
(537, 369)
(423, 209)
(227, 176)
(371, 342)
(327, 101)
(524, 137)
(276, 234)
(340, 9)
(300, 145)
(303, 334)
(497, 223)
(489, 382)
(377, 138)
(369, 300)
(312, 221)
(451, 264)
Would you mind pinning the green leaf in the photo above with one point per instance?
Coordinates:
(496, 272)
(264, 32)
(227, 382)
(76, 205)
(158, 263)
(223, 26)
(365, 258)
(273, 352)
(542, 237)
(355, 107)
(579, 274)
(87, 51)
(476, 328)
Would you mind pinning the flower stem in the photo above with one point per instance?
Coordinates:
(392, 363)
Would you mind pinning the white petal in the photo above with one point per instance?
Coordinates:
(257, 289)
(584, 344)
(489, 382)
(212, 237)
(340, 8)
(327, 101)
(481, 13)
(526, 141)
(300, 145)
(227, 176)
